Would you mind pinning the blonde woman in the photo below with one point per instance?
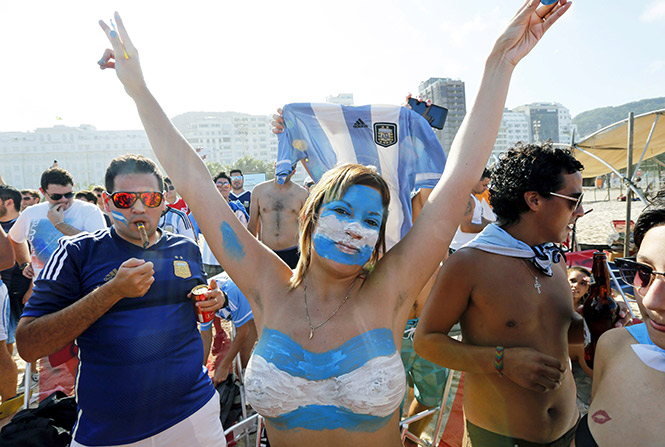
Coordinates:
(326, 370)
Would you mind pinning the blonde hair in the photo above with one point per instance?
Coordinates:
(331, 187)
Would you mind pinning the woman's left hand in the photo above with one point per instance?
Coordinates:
(527, 28)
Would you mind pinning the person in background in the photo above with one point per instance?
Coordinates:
(580, 280)
(238, 189)
(87, 196)
(29, 197)
(473, 221)
(629, 363)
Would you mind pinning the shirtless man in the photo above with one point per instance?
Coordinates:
(516, 319)
(275, 209)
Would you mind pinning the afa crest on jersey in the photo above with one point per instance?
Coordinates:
(385, 134)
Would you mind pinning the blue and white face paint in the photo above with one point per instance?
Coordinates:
(348, 229)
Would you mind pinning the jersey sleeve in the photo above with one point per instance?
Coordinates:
(241, 312)
(58, 284)
(185, 227)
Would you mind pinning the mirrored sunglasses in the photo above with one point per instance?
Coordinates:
(67, 195)
(577, 200)
(635, 273)
(151, 199)
(236, 177)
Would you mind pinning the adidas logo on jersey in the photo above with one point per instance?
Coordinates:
(359, 124)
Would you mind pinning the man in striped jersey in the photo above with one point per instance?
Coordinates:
(175, 221)
(127, 309)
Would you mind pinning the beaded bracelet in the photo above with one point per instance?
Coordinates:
(498, 361)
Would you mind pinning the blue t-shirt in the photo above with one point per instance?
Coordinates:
(140, 368)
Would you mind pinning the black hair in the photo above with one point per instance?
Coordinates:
(221, 174)
(131, 164)
(530, 167)
(9, 192)
(32, 192)
(56, 176)
(487, 173)
(652, 216)
(235, 170)
(86, 195)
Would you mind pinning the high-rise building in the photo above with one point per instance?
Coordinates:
(229, 136)
(547, 121)
(84, 151)
(448, 93)
(514, 128)
(344, 99)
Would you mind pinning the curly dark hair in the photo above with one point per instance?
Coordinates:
(652, 216)
(528, 167)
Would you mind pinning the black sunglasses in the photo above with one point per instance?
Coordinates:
(26, 198)
(151, 199)
(635, 273)
(67, 195)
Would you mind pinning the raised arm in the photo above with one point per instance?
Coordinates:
(237, 251)
(431, 235)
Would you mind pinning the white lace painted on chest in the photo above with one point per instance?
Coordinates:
(376, 388)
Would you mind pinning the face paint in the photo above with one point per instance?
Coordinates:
(119, 217)
(232, 245)
(348, 229)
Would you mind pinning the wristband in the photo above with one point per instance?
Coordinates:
(61, 222)
(498, 361)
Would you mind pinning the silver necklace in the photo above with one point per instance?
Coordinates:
(309, 321)
(536, 284)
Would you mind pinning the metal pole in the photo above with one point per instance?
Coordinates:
(629, 191)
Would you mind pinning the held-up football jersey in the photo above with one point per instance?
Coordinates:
(396, 140)
(140, 369)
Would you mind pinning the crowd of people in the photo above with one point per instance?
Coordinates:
(329, 324)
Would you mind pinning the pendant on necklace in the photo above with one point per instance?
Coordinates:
(536, 284)
(311, 331)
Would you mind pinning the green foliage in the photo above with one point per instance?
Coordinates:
(592, 120)
(247, 164)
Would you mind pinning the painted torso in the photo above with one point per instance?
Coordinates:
(356, 387)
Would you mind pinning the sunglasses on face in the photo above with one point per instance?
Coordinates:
(151, 199)
(222, 185)
(170, 187)
(637, 274)
(67, 195)
(26, 198)
(236, 177)
(577, 200)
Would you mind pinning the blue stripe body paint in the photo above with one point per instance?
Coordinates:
(119, 217)
(352, 221)
(328, 417)
(289, 356)
(232, 245)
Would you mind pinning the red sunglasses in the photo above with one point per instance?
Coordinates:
(151, 199)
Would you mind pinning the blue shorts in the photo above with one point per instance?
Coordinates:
(428, 379)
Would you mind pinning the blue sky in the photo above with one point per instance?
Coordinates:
(255, 56)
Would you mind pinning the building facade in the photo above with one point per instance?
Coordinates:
(547, 121)
(448, 93)
(228, 136)
(344, 99)
(514, 128)
(84, 151)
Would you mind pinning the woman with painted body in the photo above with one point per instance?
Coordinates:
(326, 370)
(629, 365)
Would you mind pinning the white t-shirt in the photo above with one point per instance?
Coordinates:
(461, 237)
(33, 225)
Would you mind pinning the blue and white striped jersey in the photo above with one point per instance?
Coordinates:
(396, 140)
(175, 221)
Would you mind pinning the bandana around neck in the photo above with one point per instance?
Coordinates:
(650, 354)
(494, 239)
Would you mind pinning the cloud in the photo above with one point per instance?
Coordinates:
(655, 12)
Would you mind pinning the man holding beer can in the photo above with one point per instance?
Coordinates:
(130, 311)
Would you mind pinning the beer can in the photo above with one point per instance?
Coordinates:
(199, 295)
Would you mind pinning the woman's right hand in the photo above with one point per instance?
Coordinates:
(123, 57)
